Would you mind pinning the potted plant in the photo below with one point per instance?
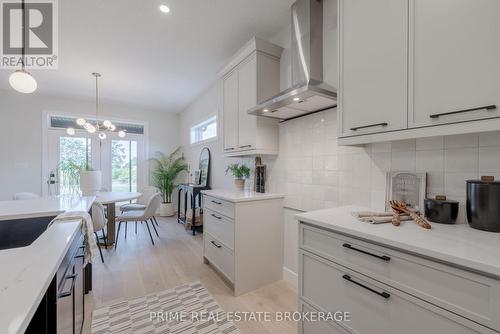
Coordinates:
(167, 168)
(90, 180)
(240, 173)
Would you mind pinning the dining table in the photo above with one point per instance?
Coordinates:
(109, 199)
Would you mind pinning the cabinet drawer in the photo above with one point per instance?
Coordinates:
(374, 307)
(471, 295)
(219, 206)
(220, 227)
(219, 255)
(317, 327)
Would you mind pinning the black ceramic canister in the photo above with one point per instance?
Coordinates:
(440, 210)
(483, 204)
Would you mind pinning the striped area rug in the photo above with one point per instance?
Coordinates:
(188, 308)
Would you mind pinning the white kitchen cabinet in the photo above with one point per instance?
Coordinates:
(417, 68)
(455, 53)
(374, 307)
(250, 78)
(247, 88)
(230, 107)
(388, 290)
(243, 237)
(373, 66)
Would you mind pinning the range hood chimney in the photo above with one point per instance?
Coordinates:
(309, 93)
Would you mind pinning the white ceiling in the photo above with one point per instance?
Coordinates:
(147, 58)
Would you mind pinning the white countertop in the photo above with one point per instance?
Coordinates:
(44, 206)
(240, 196)
(27, 273)
(458, 245)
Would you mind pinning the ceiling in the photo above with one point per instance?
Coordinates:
(148, 58)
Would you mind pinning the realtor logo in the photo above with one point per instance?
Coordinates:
(32, 41)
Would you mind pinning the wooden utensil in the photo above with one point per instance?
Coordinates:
(396, 219)
(400, 207)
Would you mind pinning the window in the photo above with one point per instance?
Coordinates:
(204, 131)
(123, 165)
(121, 160)
(74, 152)
(64, 122)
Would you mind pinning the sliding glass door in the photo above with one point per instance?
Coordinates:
(74, 152)
(123, 165)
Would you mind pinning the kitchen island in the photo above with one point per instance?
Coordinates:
(28, 272)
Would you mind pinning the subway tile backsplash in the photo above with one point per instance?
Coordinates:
(314, 172)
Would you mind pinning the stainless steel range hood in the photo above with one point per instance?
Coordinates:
(309, 93)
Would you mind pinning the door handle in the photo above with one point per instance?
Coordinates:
(215, 244)
(218, 203)
(381, 294)
(382, 257)
(490, 107)
(215, 216)
(245, 146)
(229, 149)
(369, 126)
(70, 291)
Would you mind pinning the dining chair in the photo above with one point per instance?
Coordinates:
(141, 203)
(24, 196)
(99, 222)
(140, 216)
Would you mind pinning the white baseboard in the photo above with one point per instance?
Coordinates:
(291, 277)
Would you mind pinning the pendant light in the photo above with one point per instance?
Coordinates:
(21, 80)
(97, 127)
(101, 135)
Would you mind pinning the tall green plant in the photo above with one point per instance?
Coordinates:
(167, 168)
(70, 176)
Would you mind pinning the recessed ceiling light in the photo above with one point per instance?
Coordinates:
(164, 8)
(296, 99)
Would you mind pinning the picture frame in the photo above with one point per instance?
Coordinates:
(407, 187)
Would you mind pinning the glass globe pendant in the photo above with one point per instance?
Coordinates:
(23, 82)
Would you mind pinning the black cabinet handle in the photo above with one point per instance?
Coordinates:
(490, 107)
(219, 203)
(381, 294)
(70, 291)
(215, 216)
(229, 149)
(245, 146)
(382, 257)
(215, 244)
(369, 126)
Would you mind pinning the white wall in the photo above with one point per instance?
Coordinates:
(21, 134)
(205, 106)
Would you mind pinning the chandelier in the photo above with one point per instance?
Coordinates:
(101, 128)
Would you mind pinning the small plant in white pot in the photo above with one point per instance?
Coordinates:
(167, 168)
(90, 180)
(240, 172)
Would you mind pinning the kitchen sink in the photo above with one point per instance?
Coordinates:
(22, 232)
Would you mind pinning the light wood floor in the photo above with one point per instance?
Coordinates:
(137, 268)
